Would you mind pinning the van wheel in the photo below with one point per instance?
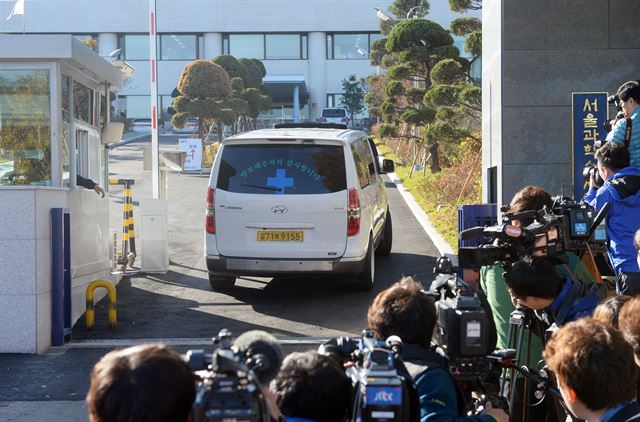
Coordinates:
(384, 247)
(364, 281)
(220, 282)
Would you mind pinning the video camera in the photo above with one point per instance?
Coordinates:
(230, 379)
(465, 329)
(569, 226)
(382, 388)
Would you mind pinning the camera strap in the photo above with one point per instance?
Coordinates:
(627, 132)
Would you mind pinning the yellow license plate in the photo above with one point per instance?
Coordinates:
(278, 236)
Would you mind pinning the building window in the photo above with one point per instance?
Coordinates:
(138, 106)
(201, 47)
(83, 103)
(25, 127)
(266, 46)
(246, 45)
(178, 47)
(136, 47)
(66, 122)
(283, 46)
(350, 46)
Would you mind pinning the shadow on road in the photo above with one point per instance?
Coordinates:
(179, 305)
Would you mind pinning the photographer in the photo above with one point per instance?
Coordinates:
(621, 189)
(629, 100)
(148, 383)
(595, 371)
(529, 198)
(534, 283)
(406, 311)
(311, 387)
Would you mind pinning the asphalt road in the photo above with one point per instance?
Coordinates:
(180, 304)
(179, 307)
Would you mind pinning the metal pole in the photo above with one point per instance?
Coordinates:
(155, 154)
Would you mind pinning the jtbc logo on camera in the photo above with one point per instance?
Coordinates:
(384, 395)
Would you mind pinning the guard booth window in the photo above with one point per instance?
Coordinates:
(82, 153)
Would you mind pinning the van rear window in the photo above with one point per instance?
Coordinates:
(282, 169)
(334, 112)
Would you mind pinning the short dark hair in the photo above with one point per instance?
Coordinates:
(312, 386)
(587, 353)
(636, 240)
(630, 89)
(613, 155)
(629, 321)
(404, 310)
(609, 310)
(533, 277)
(144, 383)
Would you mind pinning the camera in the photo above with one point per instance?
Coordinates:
(383, 391)
(615, 100)
(229, 380)
(591, 169)
(569, 226)
(465, 329)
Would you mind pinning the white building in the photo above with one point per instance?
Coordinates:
(308, 44)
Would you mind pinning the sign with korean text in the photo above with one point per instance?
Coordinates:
(589, 111)
(193, 149)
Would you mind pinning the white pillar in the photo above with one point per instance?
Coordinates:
(317, 73)
(107, 42)
(212, 45)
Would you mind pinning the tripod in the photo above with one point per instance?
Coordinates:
(522, 322)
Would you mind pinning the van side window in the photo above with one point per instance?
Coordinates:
(364, 162)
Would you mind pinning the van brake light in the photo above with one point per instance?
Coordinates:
(210, 216)
(353, 213)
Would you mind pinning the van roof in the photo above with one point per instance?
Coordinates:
(344, 135)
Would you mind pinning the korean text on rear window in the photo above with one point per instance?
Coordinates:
(282, 169)
(334, 112)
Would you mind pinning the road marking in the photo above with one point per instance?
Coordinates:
(197, 341)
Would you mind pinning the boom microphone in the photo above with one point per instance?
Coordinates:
(262, 353)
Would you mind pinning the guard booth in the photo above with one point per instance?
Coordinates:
(54, 121)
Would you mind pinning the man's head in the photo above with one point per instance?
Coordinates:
(404, 310)
(629, 321)
(612, 156)
(608, 311)
(529, 198)
(629, 95)
(534, 282)
(143, 383)
(585, 354)
(312, 386)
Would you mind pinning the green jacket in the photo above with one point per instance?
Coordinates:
(492, 283)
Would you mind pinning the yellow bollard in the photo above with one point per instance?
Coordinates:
(111, 293)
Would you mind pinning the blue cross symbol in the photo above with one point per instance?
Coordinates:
(280, 181)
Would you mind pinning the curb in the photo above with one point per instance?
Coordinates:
(422, 217)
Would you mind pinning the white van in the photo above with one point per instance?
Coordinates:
(296, 200)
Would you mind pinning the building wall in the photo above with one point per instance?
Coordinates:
(549, 49)
(110, 18)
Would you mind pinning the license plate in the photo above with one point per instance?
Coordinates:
(278, 236)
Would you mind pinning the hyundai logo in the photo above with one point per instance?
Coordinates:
(279, 209)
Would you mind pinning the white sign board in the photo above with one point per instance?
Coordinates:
(193, 149)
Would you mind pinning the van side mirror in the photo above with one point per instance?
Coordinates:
(388, 166)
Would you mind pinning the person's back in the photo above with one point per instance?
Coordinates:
(148, 383)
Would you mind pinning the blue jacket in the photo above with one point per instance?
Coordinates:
(617, 135)
(625, 412)
(575, 301)
(622, 191)
(438, 399)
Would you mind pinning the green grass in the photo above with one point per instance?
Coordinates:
(437, 194)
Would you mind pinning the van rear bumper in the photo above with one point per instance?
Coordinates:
(222, 265)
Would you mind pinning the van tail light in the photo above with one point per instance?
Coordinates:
(353, 213)
(210, 216)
